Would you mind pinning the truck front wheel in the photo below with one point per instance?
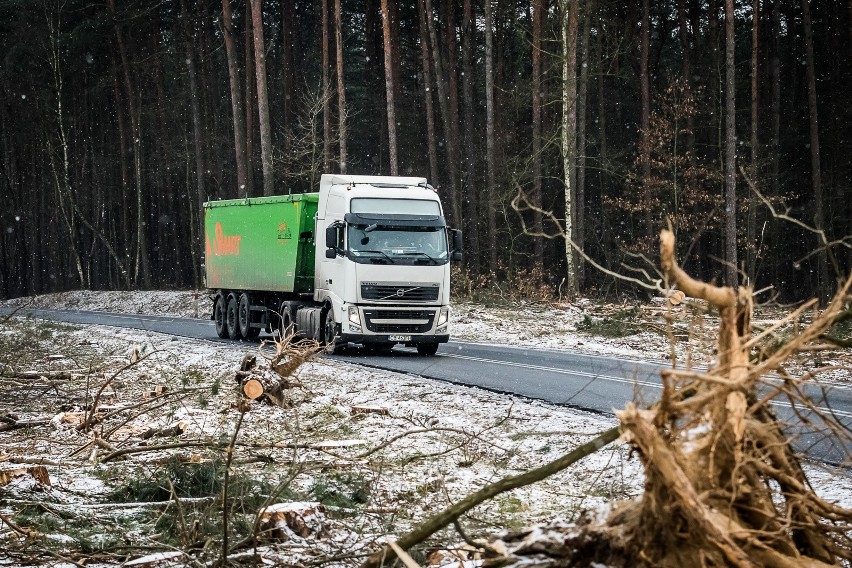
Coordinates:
(428, 349)
(233, 323)
(219, 316)
(329, 333)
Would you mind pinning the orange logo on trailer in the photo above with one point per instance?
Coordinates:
(223, 245)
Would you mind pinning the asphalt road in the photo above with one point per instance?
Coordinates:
(595, 383)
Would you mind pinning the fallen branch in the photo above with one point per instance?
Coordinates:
(450, 514)
(143, 449)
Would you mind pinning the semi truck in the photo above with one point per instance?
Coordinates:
(366, 260)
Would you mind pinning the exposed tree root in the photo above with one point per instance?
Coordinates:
(723, 485)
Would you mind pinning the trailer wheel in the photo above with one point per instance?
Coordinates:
(244, 317)
(231, 316)
(286, 316)
(219, 316)
(427, 349)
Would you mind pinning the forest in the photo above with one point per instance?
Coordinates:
(562, 135)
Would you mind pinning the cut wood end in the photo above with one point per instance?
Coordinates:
(253, 389)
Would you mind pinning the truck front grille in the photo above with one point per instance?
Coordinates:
(396, 292)
(399, 321)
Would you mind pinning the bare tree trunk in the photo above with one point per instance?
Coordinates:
(262, 98)
(751, 225)
(775, 70)
(189, 47)
(125, 166)
(582, 99)
(570, 13)
(389, 88)
(341, 93)
(470, 186)
(251, 100)
(142, 265)
(645, 119)
(453, 93)
(816, 173)
(427, 95)
(730, 150)
(491, 183)
(538, 244)
(601, 88)
(326, 89)
(443, 102)
(287, 69)
(237, 108)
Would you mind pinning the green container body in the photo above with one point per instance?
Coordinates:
(262, 243)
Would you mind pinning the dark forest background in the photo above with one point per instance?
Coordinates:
(119, 118)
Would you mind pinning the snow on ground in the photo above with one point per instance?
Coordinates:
(436, 443)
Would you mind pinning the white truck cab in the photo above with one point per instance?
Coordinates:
(384, 276)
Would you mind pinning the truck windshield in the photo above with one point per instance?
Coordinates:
(380, 244)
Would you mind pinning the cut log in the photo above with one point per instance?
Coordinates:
(175, 429)
(364, 409)
(37, 472)
(272, 387)
(285, 521)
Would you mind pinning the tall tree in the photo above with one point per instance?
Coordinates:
(195, 106)
(582, 100)
(341, 91)
(816, 174)
(446, 119)
(538, 14)
(490, 160)
(389, 88)
(142, 265)
(262, 98)
(426, 66)
(471, 190)
(237, 110)
(645, 116)
(326, 90)
(751, 224)
(730, 149)
(570, 11)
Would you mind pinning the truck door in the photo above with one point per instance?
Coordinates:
(331, 277)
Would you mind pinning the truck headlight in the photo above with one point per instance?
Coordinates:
(354, 319)
(443, 317)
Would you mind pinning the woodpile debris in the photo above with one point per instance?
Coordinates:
(286, 521)
(272, 381)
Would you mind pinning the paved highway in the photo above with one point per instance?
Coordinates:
(589, 382)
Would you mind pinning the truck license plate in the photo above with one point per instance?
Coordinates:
(399, 338)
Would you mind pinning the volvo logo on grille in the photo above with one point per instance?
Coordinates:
(400, 292)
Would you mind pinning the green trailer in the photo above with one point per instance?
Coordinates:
(261, 244)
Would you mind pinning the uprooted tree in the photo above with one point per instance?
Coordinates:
(724, 485)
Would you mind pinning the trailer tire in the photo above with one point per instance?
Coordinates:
(219, 316)
(244, 317)
(427, 349)
(232, 318)
(286, 326)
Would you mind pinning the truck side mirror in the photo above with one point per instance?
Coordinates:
(331, 241)
(457, 245)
